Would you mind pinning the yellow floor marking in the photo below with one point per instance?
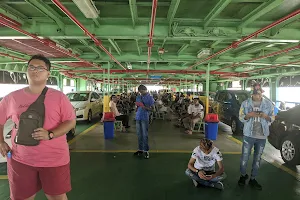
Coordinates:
(3, 177)
(132, 151)
(271, 161)
(82, 133)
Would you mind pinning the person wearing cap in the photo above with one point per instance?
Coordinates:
(195, 114)
(201, 167)
(144, 103)
(256, 113)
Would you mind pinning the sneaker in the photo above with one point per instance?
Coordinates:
(243, 179)
(195, 183)
(218, 185)
(253, 183)
(146, 155)
(138, 153)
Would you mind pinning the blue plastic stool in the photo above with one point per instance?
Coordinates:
(211, 130)
(109, 130)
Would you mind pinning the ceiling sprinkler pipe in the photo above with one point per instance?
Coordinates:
(237, 43)
(45, 42)
(261, 57)
(274, 66)
(86, 32)
(150, 41)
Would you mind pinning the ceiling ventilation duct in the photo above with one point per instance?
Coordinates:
(204, 53)
(87, 7)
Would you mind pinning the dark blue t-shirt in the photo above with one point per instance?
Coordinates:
(141, 113)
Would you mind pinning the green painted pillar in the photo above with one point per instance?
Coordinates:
(81, 85)
(60, 81)
(273, 88)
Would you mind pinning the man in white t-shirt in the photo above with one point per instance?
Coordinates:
(195, 112)
(201, 167)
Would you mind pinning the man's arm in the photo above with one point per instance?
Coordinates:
(220, 170)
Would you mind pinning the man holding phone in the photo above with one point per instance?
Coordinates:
(257, 114)
(201, 167)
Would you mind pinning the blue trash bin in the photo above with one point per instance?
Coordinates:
(108, 130)
(211, 130)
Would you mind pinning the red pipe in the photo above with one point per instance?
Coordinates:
(46, 42)
(96, 41)
(44, 52)
(261, 57)
(271, 67)
(236, 44)
(13, 22)
(150, 41)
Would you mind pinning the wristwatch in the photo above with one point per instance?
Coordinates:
(197, 171)
(50, 135)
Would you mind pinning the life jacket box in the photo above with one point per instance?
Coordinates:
(109, 117)
(211, 126)
(212, 118)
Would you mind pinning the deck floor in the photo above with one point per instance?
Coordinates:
(106, 169)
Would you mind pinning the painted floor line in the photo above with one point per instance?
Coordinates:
(3, 177)
(132, 151)
(271, 161)
(82, 133)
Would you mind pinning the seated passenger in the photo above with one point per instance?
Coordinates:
(113, 108)
(195, 112)
(201, 167)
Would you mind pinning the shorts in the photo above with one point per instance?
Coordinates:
(25, 180)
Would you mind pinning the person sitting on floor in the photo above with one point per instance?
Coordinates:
(195, 112)
(201, 167)
(113, 108)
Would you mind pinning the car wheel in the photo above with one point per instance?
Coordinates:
(90, 116)
(290, 150)
(235, 127)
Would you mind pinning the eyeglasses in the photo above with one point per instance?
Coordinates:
(39, 68)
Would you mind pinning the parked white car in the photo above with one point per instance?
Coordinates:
(87, 104)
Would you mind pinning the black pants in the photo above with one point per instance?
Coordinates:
(124, 119)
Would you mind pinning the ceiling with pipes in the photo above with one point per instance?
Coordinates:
(153, 41)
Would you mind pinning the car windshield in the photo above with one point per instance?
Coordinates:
(78, 96)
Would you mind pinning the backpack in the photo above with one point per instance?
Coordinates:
(30, 120)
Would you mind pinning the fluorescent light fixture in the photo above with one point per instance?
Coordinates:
(87, 7)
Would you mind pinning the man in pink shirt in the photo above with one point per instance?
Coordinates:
(47, 165)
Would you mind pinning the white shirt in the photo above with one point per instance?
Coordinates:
(113, 108)
(195, 110)
(204, 161)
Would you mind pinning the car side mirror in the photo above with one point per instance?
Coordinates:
(93, 100)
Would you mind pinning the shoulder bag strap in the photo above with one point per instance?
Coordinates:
(41, 98)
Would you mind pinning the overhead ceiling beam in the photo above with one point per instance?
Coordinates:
(221, 5)
(48, 12)
(259, 11)
(172, 10)
(133, 11)
(182, 49)
(91, 46)
(137, 46)
(115, 46)
(251, 48)
(13, 15)
(140, 32)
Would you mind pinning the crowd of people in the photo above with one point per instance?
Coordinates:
(42, 160)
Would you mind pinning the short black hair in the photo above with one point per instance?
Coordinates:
(112, 96)
(142, 87)
(42, 58)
